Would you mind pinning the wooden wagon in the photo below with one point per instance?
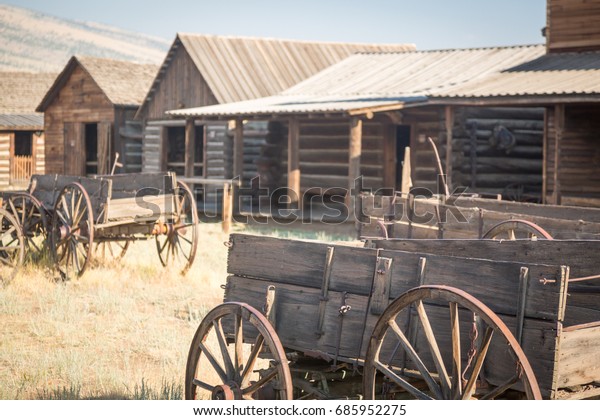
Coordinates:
(439, 319)
(470, 217)
(79, 217)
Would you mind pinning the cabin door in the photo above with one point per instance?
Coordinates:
(22, 157)
(74, 151)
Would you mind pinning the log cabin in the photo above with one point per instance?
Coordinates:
(201, 70)
(88, 116)
(565, 83)
(356, 118)
(21, 127)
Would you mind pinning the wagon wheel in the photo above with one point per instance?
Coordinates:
(31, 215)
(12, 246)
(111, 250)
(224, 367)
(178, 246)
(72, 230)
(419, 354)
(516, 229)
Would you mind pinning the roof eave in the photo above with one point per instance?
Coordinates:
(523, 100)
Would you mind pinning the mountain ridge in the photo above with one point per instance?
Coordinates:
(26, 47)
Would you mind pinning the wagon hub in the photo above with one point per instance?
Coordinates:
(64, 231)
(229, 391)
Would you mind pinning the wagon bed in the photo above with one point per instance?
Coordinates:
(470, 217)
(78, 217)
(336, 303)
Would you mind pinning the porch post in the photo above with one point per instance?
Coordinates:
(190, 140)
(355, 152)
(238, 161)
(559, 124)
(294, 164)
(449, 121)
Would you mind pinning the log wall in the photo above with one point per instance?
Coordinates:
(5, 159)
(577, 171)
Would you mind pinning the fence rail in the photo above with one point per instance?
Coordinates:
(21, 168)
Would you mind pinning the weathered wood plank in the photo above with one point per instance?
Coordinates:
(579, 357)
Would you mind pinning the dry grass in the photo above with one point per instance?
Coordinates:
(121, 331)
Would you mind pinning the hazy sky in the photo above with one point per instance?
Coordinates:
(427, 23)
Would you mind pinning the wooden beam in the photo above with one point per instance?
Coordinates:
(238, 161)
(355, 152)
(190, 140)
(389, 156)
(559, 123)
(294, 163)
(545, 159)
(449, 121)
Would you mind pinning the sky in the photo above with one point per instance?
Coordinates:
(430, 24)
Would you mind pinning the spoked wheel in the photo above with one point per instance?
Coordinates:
(433, 342)
(177, 244)
(12, 246)
(31, 215)
(110, 251)
(72, 231)
(236, 355)
(516, 229)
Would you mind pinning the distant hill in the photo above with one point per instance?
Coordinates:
(34, 41)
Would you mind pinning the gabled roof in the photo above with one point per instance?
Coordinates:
(124, 83)
(551, 75)
(20, 93)
(242, 68)
(371, 82)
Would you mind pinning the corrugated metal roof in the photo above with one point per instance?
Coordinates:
(549, 75)
(33, 121)
(20, 92)
(376, 80)
(124, 83)
(243, 68)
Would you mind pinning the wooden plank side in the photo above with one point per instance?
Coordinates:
(579, 357)
(495, 283)
(132, 185)
(301, 263)
(297, 319)
(583, 303)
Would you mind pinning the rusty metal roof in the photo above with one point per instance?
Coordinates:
(33, 121)
(123, 82)
(379, 81)
(554, 74)
(243, 68)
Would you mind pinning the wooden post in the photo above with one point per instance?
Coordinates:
(190, 139)
(390, 162)
(227, 208)
(559, 123)
(294, 164)
(355, 152)
(238, 161)
(449, 121)
(545, 159)
(406, 173)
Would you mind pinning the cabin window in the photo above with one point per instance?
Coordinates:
(91, 148)
(176, 150)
